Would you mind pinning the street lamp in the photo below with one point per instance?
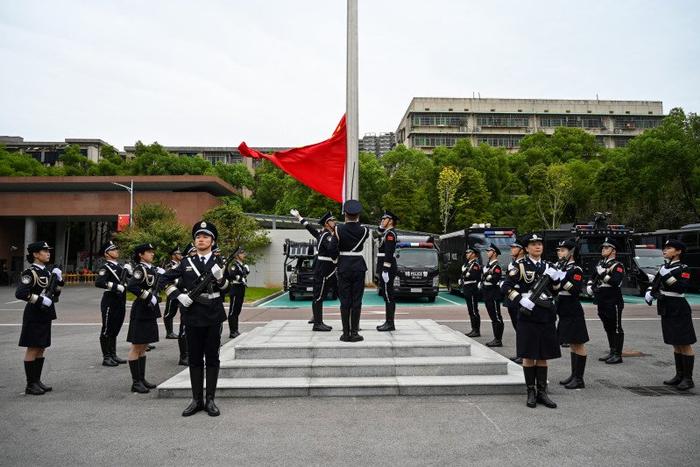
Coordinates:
(130, 189)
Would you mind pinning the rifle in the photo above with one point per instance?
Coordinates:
(207, 279)
(540, 289)
(50, 290)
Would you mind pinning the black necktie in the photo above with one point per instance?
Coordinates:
(201, 260)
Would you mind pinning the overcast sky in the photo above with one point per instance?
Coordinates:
(272, 73)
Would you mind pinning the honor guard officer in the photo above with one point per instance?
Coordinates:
(143, 325)
(471, 275)
(492, 294)
(386, 267)
(189, 250)
(203, 314)
(669, 287)
(112, 277)
(351, 269)
(536, 335)
(604, 285)
(517, 251)
(325, 265)
(40, 286)
(237, 276)
(171, 304)
(571, 327)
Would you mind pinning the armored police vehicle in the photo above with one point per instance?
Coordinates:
(299, 258)
(417, 267)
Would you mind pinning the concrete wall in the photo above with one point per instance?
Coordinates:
(268, 271)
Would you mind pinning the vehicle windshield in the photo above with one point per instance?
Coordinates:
(650, 262)
(481, 242)
(305, 264)
(417, 257)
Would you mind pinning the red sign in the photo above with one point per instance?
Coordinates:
(122, 222)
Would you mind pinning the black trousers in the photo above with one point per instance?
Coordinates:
(386, 289)
(171, 306)
(471, 296)
(351, 287)
(610, 313)
(322, 284)
(203, 342)
(493, 307)
(113, 309)
(234, 310)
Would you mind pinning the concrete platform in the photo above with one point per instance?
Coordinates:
(285, 358)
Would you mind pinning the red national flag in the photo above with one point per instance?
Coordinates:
(319, 166)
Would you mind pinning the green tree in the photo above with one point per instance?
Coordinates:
(447, 186)
(73, 161)
(552, 187)
(19, 165)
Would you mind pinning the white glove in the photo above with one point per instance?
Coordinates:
(120, 288)
(154, 300)
(664, 270)
(184, 299)
(385, 276)
(160, 270)
(600, 269)
(129, 268)
(295, 213)
(553, 273)
(479, 286)
(247, 269)
(460, 282)
(58, 273)
(46, 301)
(527, 303)
(589, 290)
(648, 298)
(218, 272)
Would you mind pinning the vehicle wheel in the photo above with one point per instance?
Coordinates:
(292, 297)
(431, 299)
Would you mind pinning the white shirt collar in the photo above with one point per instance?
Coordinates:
(40, 266)
(206, 257)
(113, 262)
(146, 264)
(536, 261)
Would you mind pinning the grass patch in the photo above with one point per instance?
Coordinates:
(256, 293)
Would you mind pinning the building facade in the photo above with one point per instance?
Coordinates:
(377, 144)
(48, 152)
(430, 122)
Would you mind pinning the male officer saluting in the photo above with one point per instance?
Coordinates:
(386, 267)
(605, 285)
(113, 304)
(325, 264)
(351, 269)
(203, 315)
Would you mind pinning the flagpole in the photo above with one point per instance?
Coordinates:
(352, 168)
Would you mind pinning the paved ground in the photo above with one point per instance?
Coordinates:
(91, 418)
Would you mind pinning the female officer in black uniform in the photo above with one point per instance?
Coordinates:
(669, 287)
(536, 336)
(38, 313)
(471, 275)
(143, 327)
(572, 323)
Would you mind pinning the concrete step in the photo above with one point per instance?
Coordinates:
(511, 383)
(339, 349)
(361, 367)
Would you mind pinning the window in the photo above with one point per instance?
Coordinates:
(431, 141)
(636, 122)
(553, 121)
(502, 120)
(500, 141)
(437, 120)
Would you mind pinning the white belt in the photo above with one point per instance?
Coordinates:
(470, 282)
(210, 295)
(380, 255)
(327, 258)
(350, 253)
(564, 292)
(605, 285)
(487, 283)
(672, 294)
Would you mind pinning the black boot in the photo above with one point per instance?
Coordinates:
(182, 343)
(579, 368)
(611, 339)
(311, 321)
(573, 370)
(389, 323)
(355, 326)
(39, 367)
(679, 370)
(542, 397)
(233, 327)
(317, 308)
(33, 388)
(497, 335)
(142, 372)
(137, 384)
(616, 357)
(212, 378)
(150, 347)
(169, 334)
(345, 319)
(113, 350)
(687, 381)
(476, 326)
(518, 360)
(106, 354)
(197, 382)
(529, 372)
